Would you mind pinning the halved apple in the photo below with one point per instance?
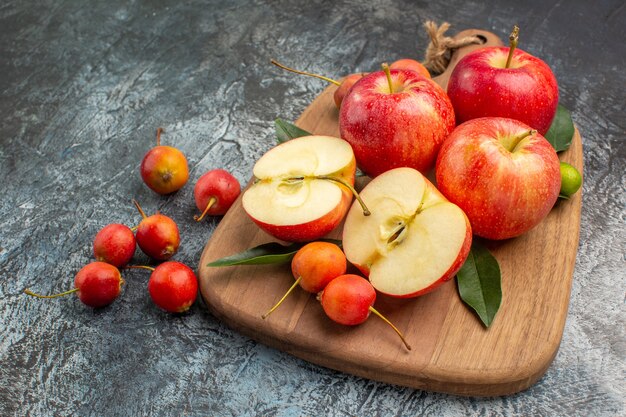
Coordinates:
(302, 188)
(415, 238)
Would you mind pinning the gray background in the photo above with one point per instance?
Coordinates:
(84, 85)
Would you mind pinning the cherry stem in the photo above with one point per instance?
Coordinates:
(295, 284)
(366, 211)
(321, 77)
(134, 228)
(139, 208)
(385, 67)
(513, 38)
(29, 292)
(373, 310)
(212, 201)
(149, 268)
(517, 139)
(159, 131)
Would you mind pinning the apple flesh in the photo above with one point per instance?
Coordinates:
(394, 123)
(415, 239)
(505, 176)
(481, 86)
(297, 194)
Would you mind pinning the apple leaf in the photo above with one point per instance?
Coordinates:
(265, 254)
(286, 131)
(561, 130)
(479, 282)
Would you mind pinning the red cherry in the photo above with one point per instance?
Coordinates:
(215, 192)
(314, 266)
(173, 286)
(98, 284)
(164, 168)
(349, 299)
(157, 235)
(114, 244)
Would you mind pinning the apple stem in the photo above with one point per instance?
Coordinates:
(513, 38)
(321, 77)
(134, 228)
(388, 74)
(373, 310)
(29, 292)
(366, 211)
(149, 268)
(295, 284)
(517, 139)
(139, 208)
(159, 131)
(212, 201)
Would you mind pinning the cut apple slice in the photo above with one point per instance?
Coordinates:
(302, 188)
(415, 238)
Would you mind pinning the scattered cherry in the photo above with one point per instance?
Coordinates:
(349, 299)
(215, 192)
(173, 286)
(164, 168)
(313, 267)
(114, 244)
(97, 284)
(157, 235)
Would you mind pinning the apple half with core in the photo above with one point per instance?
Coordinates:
(395, 118)
(415, 239)
(302, 188)
(503, 174)
(504, 82)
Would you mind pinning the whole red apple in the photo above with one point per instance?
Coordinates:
(504, 82)
(503, 174)
(395, 118)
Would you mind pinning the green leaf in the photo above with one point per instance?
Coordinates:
(286, 131)
(265, 254)
(561, 130)
(479, 282)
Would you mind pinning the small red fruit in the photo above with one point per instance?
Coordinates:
(410, 64)
(215, 192)
(164, 168)
(98, 284)
(173, 286)
(114, 244)
(157, 235)
(349, 299)
(314, 266)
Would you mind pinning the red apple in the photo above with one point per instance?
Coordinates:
(414, 240)
(395, 118)
(164, 168)
(215, 192)
(504, 175)
(487, 82)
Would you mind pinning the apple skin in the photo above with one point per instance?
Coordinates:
(403, 129)
(503, 193)
(219, 184)
(480, 86)
(410, 64)
(99, 284)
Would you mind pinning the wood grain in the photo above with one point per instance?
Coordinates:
(452, 352)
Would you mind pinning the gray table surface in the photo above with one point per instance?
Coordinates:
(84, 85)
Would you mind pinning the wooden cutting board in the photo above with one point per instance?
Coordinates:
(452, 351)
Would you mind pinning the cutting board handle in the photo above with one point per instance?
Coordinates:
(489, 39)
